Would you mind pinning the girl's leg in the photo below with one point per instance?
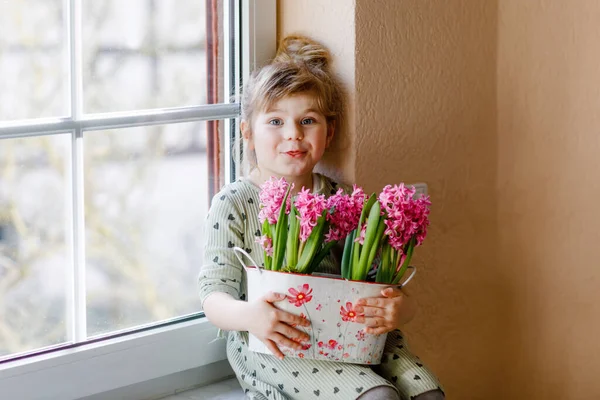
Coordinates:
(405, 371)
(431, 395)
(380, 393)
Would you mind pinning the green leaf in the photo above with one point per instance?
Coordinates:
(313, 244)
(324, 252)
(292, 239)
(405, 264)
(383, 273)
(360, 273)
(356, 247)
(375, 245)
(266, 231)
(347, 255)
(281, 229)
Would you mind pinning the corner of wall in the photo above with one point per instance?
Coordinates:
(332, 23)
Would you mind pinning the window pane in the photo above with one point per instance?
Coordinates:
(33, 68)
(141, 54)
(35, 218)
(146, 201)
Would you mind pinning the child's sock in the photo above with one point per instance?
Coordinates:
(431, 395)
(381, 393)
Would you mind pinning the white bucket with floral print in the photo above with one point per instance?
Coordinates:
(328, 303)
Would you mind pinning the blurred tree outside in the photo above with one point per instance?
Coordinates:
(144, 188)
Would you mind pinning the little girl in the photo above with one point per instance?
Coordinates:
(290, 110)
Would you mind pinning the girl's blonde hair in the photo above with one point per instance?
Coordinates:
(301, 65)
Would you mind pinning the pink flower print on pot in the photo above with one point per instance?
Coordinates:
(300, 296)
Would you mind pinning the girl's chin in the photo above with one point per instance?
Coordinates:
(293, 172)
(297, 168)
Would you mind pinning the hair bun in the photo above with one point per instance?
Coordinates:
(297, 48)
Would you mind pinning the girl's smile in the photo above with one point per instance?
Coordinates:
(296, 154)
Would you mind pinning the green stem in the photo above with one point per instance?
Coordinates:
(313, 244)
(292, 240)
(300, 249)
(375, 246)
(266, 230)
(383, 273)
(281, 230)
(405, 264)
(320, 256)
(360, 273)
(347, 255)
(356, 247)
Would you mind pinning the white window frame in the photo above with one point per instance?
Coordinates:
(112, 364)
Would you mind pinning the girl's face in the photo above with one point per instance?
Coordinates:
(289, 138)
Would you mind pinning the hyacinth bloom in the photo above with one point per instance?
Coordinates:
(382, 230)
(272, 194)
(406, 224)
(406, 217)
(266, 243)
(391, 226)
(309, 207)
(345, 213)
(275, 206)
(361, 237)
(297, 237)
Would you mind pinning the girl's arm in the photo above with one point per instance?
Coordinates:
(220, 283)
(225, 312)
(261, 318)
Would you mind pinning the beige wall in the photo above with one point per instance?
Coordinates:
(548, 183)
(425, 111)
(493, 104)
(332, 23)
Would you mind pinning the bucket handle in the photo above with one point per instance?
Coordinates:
(237, 250)
(412, 274)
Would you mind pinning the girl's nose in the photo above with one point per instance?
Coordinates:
(294, 132)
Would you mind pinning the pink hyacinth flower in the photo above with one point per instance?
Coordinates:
(361, 237)
(310, 206)
(345, 215)
(271, 197)
(266, 243)
(406, 217)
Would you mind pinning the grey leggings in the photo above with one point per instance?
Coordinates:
(388, 393)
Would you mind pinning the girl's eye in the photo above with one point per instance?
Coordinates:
(307, 121)
(276, 122)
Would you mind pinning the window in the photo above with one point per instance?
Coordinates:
(116, 120)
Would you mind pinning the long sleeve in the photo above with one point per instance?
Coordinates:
(221, 271)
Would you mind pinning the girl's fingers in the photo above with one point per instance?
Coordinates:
(273, 297)
(292, 319)
(378, 331)
(292, 333)
(374, 322)
(274, 349)
(373, 302)
(281, 340)
(371, 311)
(392, 292)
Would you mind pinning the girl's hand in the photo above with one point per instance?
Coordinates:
(385, 314)
(273, 326)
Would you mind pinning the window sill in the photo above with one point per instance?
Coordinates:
(112, 364)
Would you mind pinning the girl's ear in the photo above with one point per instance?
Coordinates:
(246, 133)
(330, 133)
